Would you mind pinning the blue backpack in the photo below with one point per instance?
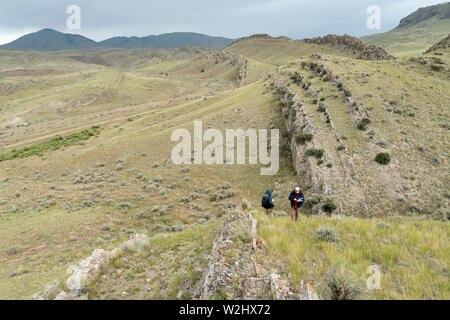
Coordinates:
(266, 202)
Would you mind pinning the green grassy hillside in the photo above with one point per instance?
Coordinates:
(413, 40)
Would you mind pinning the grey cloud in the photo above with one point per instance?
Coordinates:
(231, 18)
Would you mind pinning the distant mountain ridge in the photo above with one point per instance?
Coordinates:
(52, 40)
(168, 40)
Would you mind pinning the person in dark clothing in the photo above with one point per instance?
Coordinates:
(297, 200)
(267, 202)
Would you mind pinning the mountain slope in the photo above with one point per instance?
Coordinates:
(168, 40)
(51, 40)
(416, 32)
(440, 11)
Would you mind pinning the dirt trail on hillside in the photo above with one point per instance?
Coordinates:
(87, 126)
(69, 131)
(76, 129)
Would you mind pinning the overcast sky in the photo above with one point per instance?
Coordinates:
(101, 19)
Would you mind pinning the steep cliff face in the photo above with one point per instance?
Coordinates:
(440, 11)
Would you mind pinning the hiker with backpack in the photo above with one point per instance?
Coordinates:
(297, 200)
(267, 202)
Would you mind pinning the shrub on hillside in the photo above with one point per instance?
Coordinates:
(312, 200)
(383, 158)
(245, 204)
(327, 234)
(302, 138)
(226, 185)
(342, 286)
(221, 195)
(318, 153)
(383, 226)
(362, 125)
(442, 214)
(322, 107)
(329, 206)
(125, 205)
(12, 251)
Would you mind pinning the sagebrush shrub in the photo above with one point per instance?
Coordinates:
(327, 234)
(245, 204)
(362, 125)
(318, 153)
(302, 138)
(329, 206)
(442, 214)
(383, 225)
(342, 286)
(383, 158)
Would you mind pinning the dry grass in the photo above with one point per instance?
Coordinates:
(412, 253)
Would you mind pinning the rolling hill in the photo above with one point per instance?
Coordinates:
(416, 32)
(51, 40)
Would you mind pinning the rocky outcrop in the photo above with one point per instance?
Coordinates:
(242, 70)
(90, 269)
(299, 122)
(280, 289)
(241, 277)
(367, 52)
(262, 36)
(441, 45)
(240, 62)
(87, 271)
(325, 185)
(233, 271)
